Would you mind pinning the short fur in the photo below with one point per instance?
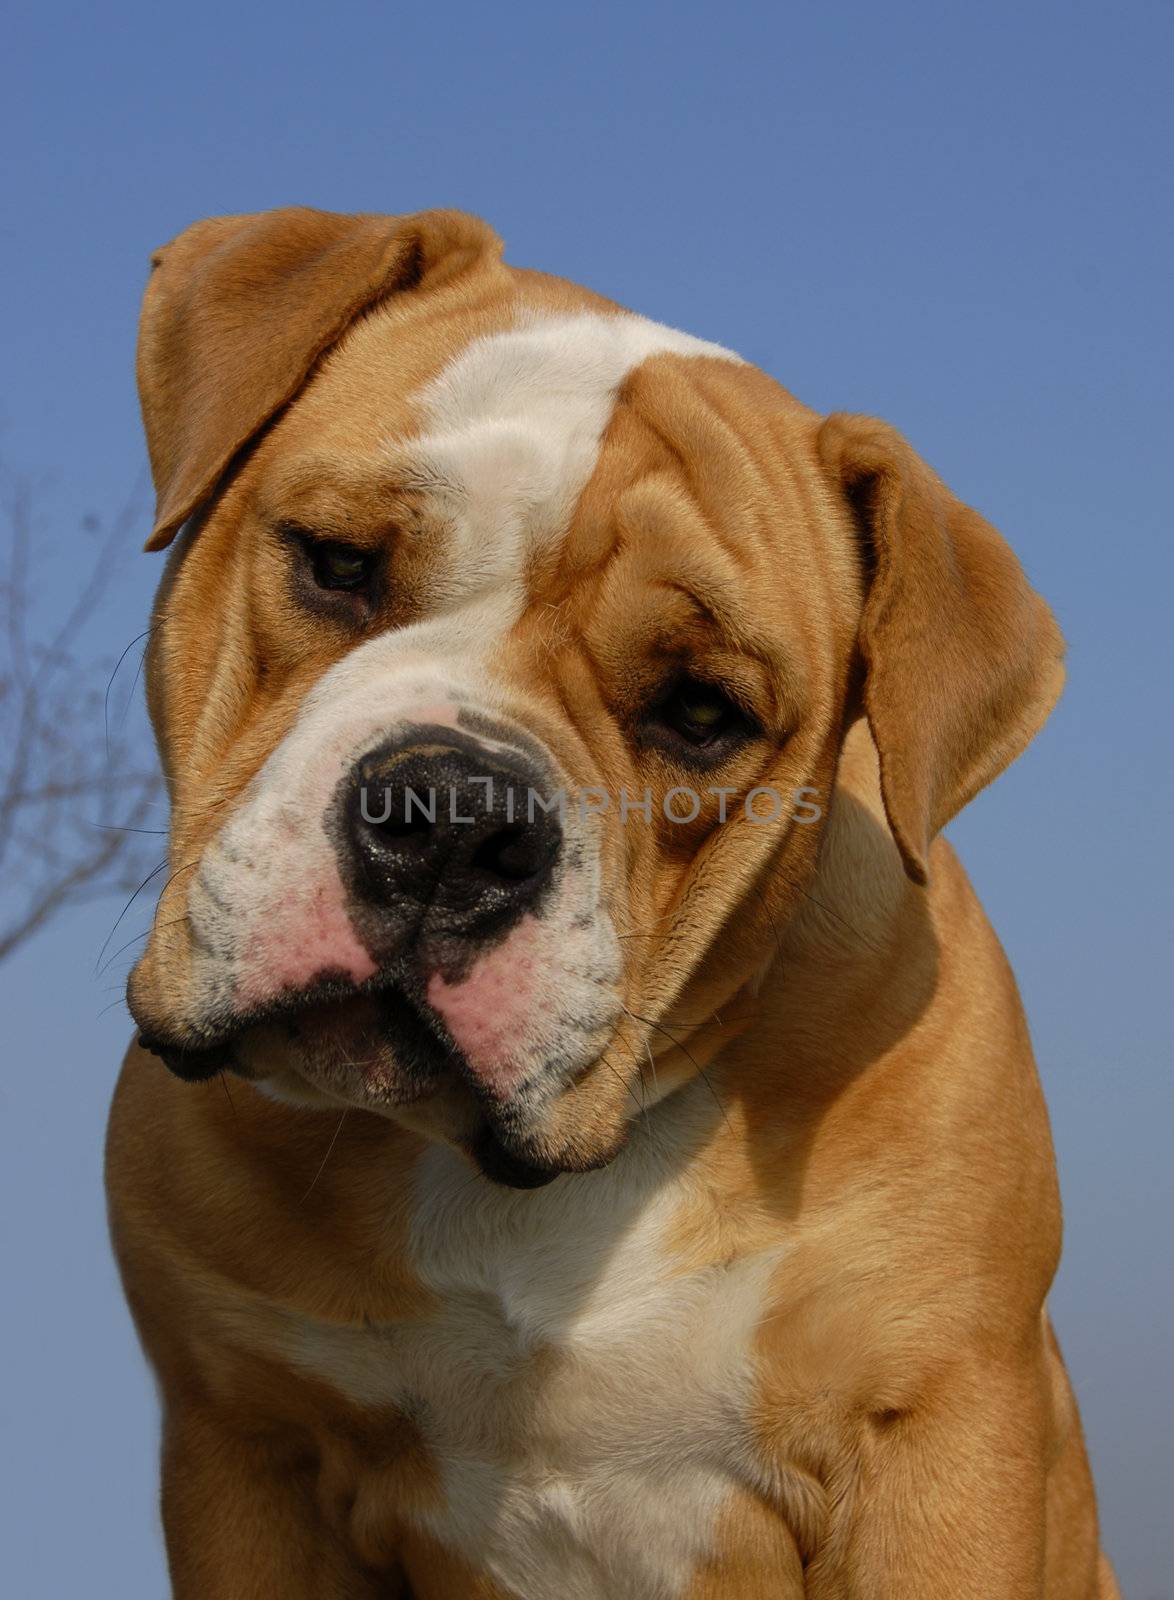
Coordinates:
(779, 1327)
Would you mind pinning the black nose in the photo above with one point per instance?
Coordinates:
(466, 837)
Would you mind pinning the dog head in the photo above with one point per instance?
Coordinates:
(501, 670)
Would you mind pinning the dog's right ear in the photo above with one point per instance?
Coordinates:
(238, 310)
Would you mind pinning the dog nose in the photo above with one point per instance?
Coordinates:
(466, 835)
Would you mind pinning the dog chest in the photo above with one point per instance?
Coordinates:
(583, 1401)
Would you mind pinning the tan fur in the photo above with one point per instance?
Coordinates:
(869, 1141)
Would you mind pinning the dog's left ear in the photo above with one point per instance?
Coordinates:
(238, 311)
(962, 659)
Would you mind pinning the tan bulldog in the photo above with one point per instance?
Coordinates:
(602, 1155)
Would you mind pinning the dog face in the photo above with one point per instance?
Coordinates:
(501, 677)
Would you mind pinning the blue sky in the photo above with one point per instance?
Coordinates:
(956, 216)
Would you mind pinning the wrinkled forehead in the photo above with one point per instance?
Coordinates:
(497, 419)
(504, 406)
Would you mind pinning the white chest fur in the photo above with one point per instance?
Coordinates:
(585, 1399)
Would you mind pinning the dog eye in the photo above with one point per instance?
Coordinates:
(699, 713)
(339, 566)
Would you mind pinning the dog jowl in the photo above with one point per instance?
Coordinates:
(601, 1151)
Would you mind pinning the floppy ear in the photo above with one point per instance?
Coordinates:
(962, 659)
(238, 310)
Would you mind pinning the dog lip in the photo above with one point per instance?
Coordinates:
(197, 1055)
(501, 1166)
(215, 1038)
(192, 1063)
(503, 1151)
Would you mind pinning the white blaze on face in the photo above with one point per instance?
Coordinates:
(511, 432)
(515, 424)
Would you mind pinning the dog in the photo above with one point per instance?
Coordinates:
(602, 1154)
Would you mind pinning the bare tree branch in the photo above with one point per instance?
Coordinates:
(77, 799)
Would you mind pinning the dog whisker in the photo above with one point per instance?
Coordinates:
(325, 1158)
